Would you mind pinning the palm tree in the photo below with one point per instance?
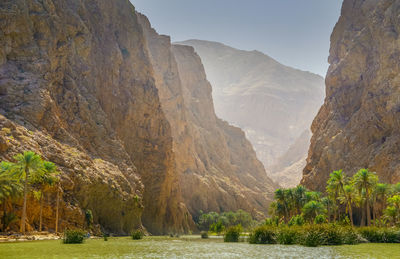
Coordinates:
(313, 208)
(280, 198)
(9, 188)
(365, 181)
(348, 198)
(329, 204)
(380, 193)
(47, 178)
(28, 164)
(393, 211)
(289, 197)
(335, 186)
(299, 197)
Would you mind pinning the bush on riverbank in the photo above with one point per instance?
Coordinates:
(233, 234)
(288, 235)
(380, 235)
(74, 236)
(137, 234)
(263, 235)
(321, 234)
(204, 234)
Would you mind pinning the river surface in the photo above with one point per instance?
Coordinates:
(188, 247)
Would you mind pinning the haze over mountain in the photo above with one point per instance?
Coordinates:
(274, 104)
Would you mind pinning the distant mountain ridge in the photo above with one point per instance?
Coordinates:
(273, 103)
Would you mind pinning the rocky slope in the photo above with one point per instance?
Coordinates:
(76, 76)
(288, 168)
(217, 166)
(358, 125)
(274, 104)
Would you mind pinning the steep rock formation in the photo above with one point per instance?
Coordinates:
(274, 104)
(358, 125)
(227, 174)
(78, 73)
(217, 166)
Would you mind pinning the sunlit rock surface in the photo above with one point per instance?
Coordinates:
(358, 125)
(274, 104)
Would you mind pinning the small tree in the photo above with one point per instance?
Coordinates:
(27, 165)
(46, 179)
(10, 188)
(365, 181)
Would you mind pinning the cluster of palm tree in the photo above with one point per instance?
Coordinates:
(361, 196)
(28, 175)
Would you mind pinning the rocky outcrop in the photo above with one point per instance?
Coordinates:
(358, 125)
(217, 167)
(76, 77)
(274, 104)
(226, 174)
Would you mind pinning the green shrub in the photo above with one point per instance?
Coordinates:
(89, 218)
(371, 234)
(233, 234)
(272, 221)
(288, 235)
(263, 235)
(380, 235)
(204, 234)
(297, 220)
(320, 219)
(137, 234)
(391, 235)
(312, 237)
(332, 235)
(74, 236)
(351, 237)
(217, 227)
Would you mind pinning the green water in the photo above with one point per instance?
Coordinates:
(187, 247)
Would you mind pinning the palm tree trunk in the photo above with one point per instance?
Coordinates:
(41, 211)
(368, 209)
(351, 214)
(4, 214)
(362, 217)
(57, 206)
(23, 217)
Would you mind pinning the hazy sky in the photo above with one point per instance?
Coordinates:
(295, 32)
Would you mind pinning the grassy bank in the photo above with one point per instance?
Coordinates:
(187, 247)
(323, 234)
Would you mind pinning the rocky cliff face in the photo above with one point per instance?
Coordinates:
(274, 104)
(217, 167)
(227, 174)
(358, 125)
(76, 79)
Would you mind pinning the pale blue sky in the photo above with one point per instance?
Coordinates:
(295, 32)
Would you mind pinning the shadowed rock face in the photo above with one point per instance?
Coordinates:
(217, 167)
(77, 74)
(358, 125)
(274, 104)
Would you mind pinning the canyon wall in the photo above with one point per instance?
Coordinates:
(75, 76)
(358, 125)
(127, 118)
(217, 166)
(273, 103)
